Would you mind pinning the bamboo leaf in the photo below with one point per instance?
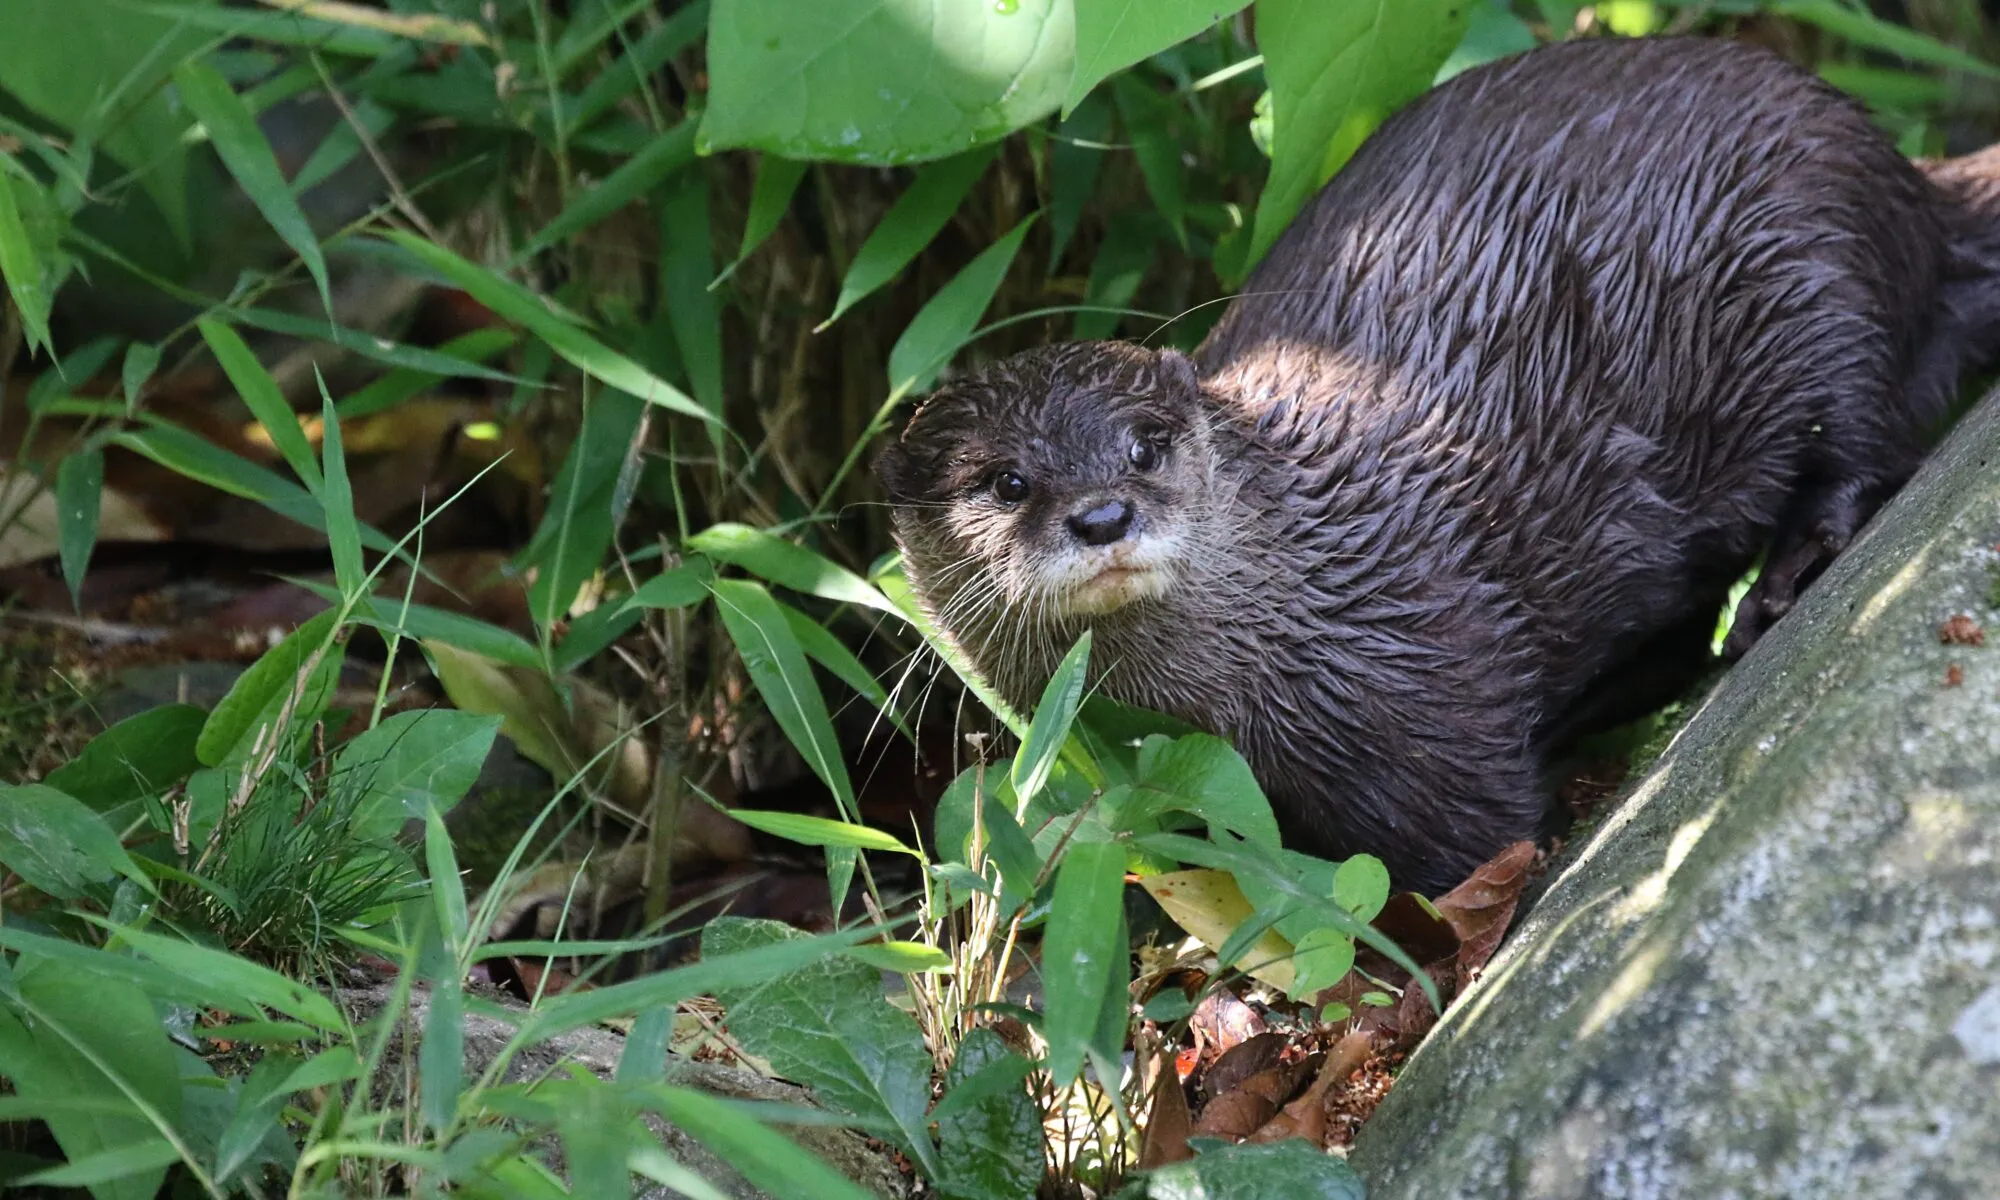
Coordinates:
(79, 488)
(233, 131)
(910, 224)
(946, 321)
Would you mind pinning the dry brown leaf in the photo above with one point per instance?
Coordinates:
(1168, 1121)
(1243, 1060)
(1480, 909)
(1223, 1021)
(1305, 1117)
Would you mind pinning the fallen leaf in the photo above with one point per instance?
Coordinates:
(1245, 1059)
(1961, 630)
(1305, 1117)
(1211, 907)
(1480, 909)
(1223, 1020)
(1168, 1122)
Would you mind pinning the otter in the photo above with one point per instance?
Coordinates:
(1468, 468)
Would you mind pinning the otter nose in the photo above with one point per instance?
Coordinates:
(1102, 524)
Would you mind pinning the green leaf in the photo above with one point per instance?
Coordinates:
(203, 461)
(896, 586)
(1148, 118)
(257, 695)
(686, 266)
(79, 486)
(637, 176)
(136, 1165)
(881, 81)
(1129, 249)
(232, 130)
(1336, 71)
(1075, 158)
(76, 1018)
(1322, 958)
(904, 958)
(1294, 1168)
(1114, 34)
(1082, 952)
(447, 884)
(778, 668)
(438, 364)
(143, 755)
(453, 629)
(396, 386)
(770, 196)
(995, 1140)
(411, 762)
(260, 392)
(787, 564)
(57, 844)
(1049, 731)
(581, 522)
(141, 360)
(1864, 29)
(1361, 886)
(766, 1159)
(639, 65)
(676, 587)
(1491, 32)
(947, 320)
(441, 1056)
(103, 84)
(909, 225)
(515, 303)
(820, 831)
(590, 633)
(25, 259)
(829, 652)
(343, 532)
(829, 1026)
(235, 983)
(1202, 774)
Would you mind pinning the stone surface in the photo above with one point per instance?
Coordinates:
(598, 1050)
(1774, 971)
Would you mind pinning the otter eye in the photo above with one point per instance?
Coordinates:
(1144, 453)
(1009, 487)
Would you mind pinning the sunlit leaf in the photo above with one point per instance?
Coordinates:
(881, 81)
(517, 304)
(1335, 72)
(809, 830)
(1049, 731)
(787, 563)
(1113, 34)
(1210, 906)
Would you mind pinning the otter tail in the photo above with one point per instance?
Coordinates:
(1970, 328)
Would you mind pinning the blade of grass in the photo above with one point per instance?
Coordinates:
(233, 131)
(258, 390)
(521, 306)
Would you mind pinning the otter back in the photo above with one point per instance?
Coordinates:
(1485, 440)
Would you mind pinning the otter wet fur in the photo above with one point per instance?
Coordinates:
(1469, 467)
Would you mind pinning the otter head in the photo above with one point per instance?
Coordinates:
(1061, 484)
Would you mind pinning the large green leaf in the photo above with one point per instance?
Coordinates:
(829, 1027)
(57, 843)
(1336, 69)
(882, 81)
(141, 756)
(260, 693)
(995, 1140)
(1084, 953)
(413, 761)
(1293, 1168)
(1113, 34)
(77, 1027)
(97, 70)
(1204, 775)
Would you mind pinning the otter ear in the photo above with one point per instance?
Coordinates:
(893, 467)
(1178, 373)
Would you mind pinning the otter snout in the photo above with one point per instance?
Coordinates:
(1103, 523)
